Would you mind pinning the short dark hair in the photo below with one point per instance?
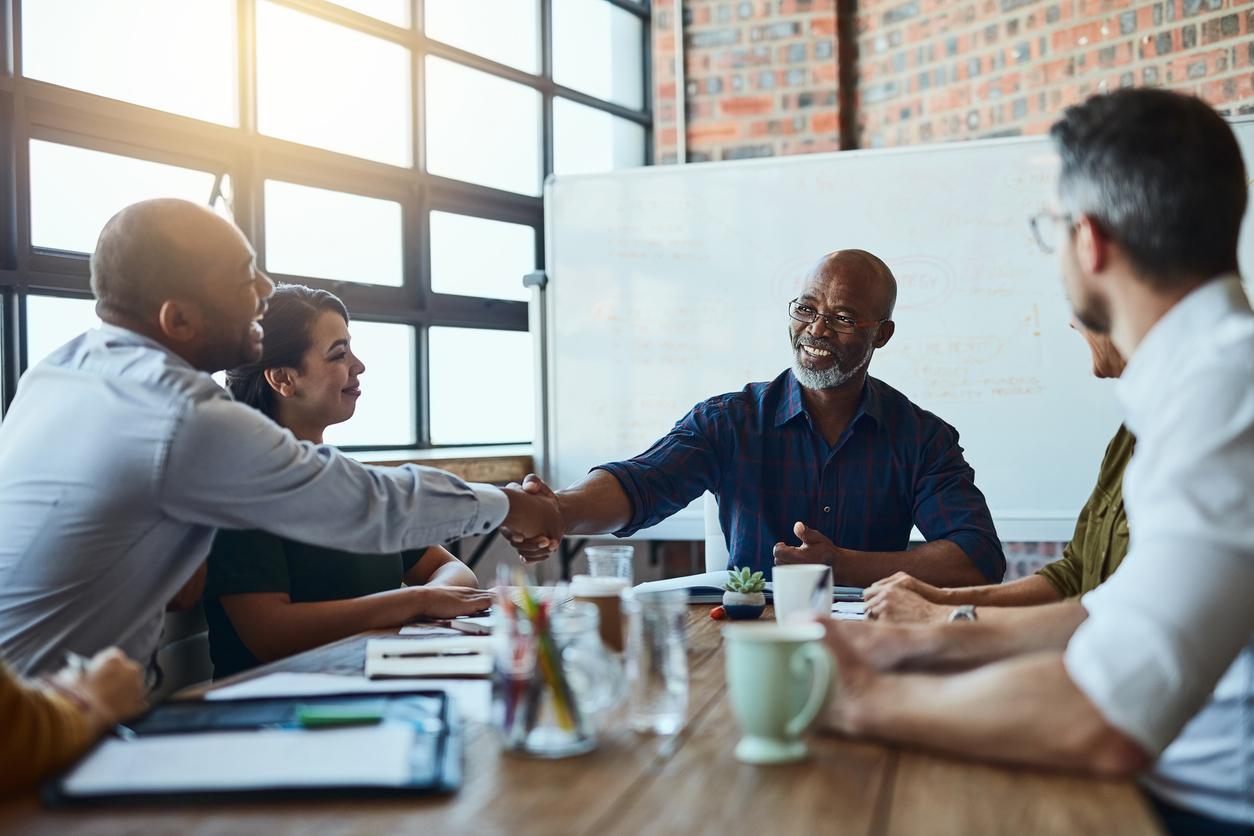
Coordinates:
(288, 323)
(1162, 174)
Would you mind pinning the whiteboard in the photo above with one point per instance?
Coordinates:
(669, 285)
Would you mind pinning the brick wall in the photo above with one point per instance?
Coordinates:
(761, 75)
(760, 78)
(931, 70)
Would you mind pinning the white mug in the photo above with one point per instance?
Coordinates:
(801, 592)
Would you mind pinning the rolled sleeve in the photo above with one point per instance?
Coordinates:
(668, 476)
(1188, 626)
(1065, 574)
(948, 505)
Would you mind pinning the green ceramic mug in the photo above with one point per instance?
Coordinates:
(777, 676)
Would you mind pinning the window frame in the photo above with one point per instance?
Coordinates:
(32, 109)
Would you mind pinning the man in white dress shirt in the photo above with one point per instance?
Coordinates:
(120, 455)
(1153, 671)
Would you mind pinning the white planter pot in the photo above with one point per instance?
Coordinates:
(744, 599)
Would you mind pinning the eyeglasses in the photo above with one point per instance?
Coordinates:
(1045, 229)
(835, 322)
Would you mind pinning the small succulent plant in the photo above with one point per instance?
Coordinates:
(745, 581)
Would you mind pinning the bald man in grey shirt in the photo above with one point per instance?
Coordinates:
(120, 455)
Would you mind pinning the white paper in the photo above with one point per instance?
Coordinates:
(429, 631)
(374, 756)
(717, 580)
(471, 697)
(461, 643)
(478, 664)
(849, 611)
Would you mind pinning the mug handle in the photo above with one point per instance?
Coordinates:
(813, 655)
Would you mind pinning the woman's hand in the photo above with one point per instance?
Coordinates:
(449, 601)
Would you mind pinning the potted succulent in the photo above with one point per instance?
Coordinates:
(743, 597)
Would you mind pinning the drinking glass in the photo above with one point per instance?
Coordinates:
(610, 561)
(657, 660)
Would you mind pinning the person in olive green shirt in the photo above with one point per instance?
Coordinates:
(1097, 547)
(267, 597)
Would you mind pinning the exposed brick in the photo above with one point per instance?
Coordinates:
(746, 105)
(932, 70)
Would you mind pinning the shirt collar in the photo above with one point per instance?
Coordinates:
(792, 404)
(1170, 341)
(125, 336)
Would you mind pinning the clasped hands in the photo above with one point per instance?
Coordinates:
(534, 525)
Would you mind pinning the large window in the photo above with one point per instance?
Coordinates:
(391, 151)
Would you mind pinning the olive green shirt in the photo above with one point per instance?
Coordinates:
(1101, 533)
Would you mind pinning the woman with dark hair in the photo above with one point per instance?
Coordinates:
(267, 597)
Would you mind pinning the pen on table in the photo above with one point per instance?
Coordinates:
(78, 666)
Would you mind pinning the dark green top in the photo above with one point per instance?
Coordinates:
(256, 561)
(1101, 533)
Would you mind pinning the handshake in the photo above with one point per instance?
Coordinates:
(534, 525)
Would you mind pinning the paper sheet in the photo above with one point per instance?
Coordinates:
(374, 756)
(472, 697)
(849, 611)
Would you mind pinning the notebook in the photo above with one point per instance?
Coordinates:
(707, 588)
(184, 751)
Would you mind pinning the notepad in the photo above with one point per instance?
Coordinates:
(459, 656)
(849, 611)
(375, 756)
(707, 588)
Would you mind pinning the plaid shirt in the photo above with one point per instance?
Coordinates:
(894, 466)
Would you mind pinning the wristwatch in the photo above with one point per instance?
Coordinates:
(966, 612)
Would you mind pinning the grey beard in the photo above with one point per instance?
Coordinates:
(828, 378)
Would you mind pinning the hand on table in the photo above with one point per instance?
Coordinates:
(537, 528)
(111, 685)
(909, 582)
(897, 603)
(855, 676)
(450, 601)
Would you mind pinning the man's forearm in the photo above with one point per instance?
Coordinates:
(1014, 632)
(940, 563)
(1024, 592)
(1025, 710)
(596, 504)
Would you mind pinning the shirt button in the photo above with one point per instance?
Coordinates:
(827, 509)
(486, 526)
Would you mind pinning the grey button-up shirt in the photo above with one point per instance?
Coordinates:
(118, 461)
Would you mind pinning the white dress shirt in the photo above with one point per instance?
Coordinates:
(118, 461)
(1167, 651)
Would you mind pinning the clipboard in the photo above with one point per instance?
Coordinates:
(201, 751)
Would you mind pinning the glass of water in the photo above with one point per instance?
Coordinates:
(657, 660)
(610, 561)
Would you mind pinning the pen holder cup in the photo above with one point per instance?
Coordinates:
(553, 680)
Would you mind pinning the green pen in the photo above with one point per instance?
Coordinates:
(331, 716)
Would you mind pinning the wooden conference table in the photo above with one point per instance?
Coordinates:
(632, 785)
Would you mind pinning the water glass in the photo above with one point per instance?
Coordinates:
(657, 660)
(610, 561)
